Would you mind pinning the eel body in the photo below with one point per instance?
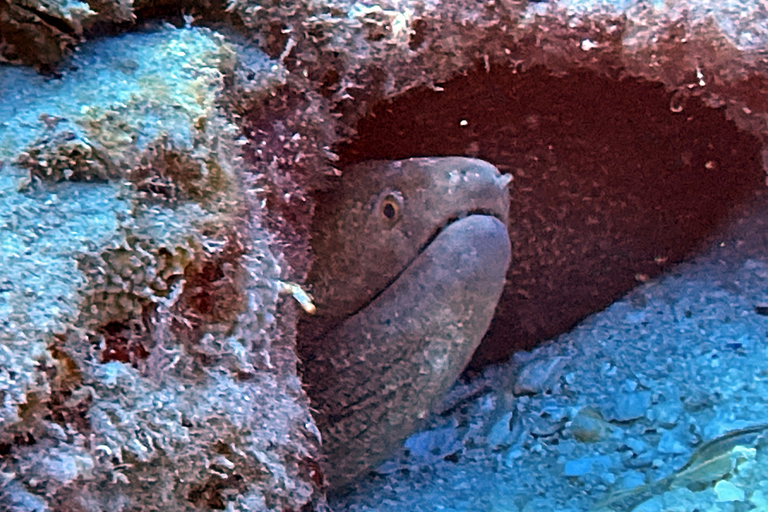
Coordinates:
(410, 259)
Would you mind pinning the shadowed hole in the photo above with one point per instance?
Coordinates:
(610, 188)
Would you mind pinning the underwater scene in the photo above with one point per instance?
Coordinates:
(656, 403)
(400, 255)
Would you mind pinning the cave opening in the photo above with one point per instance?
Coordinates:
(615, 180)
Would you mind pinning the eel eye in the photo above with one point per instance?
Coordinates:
(391, 206)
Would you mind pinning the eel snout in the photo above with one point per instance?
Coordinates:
(374, 375)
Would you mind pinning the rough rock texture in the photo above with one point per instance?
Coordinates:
(603, 112)
(141, 366)
(631, 128)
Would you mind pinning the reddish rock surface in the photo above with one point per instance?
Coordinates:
(611, 184)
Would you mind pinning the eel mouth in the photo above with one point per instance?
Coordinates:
(450, 220)
(438, 231)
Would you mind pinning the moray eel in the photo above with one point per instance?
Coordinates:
(410, 259)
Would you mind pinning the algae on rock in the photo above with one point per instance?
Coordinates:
(138, 292)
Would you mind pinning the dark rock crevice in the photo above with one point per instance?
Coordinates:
(615, 180)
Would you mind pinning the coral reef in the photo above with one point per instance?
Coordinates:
(142, 366)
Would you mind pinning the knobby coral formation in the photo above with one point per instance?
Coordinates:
(141, 366)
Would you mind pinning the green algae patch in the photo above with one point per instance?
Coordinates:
(141, 365)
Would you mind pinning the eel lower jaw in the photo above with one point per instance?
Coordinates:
(457, 217)
(449, 221)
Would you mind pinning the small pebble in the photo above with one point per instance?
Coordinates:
(500, 432)
(630, 406)
(587, 426)
(514, 453)
(669, 444)
(538, 376)
(437, 442)
(726, 491)
(631, 479)
(636, 445)
(578, 467)
(759, 499)
(666, 415)
(630, 386)
(584, 465)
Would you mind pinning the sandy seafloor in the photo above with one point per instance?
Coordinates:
(629, 411)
